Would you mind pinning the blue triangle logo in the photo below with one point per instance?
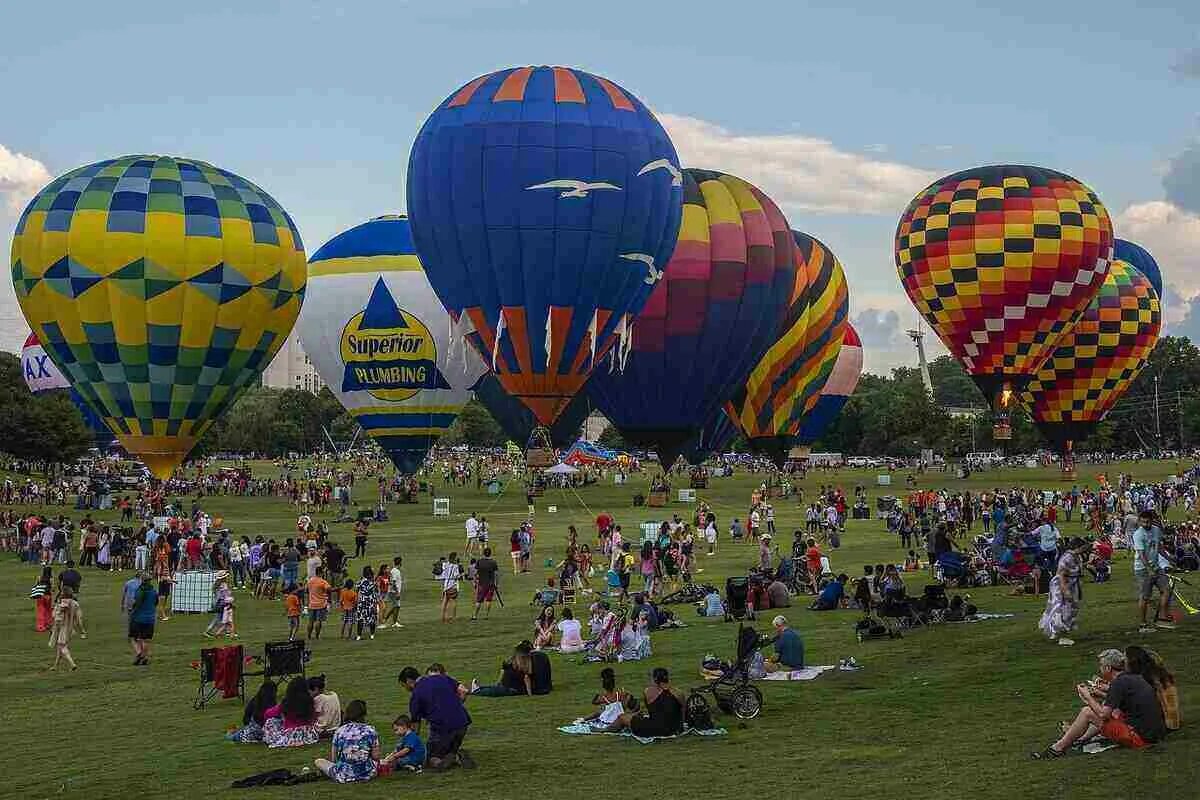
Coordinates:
(381, 312)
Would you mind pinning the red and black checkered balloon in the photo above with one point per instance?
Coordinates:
(1098, 359)
(1001, 260)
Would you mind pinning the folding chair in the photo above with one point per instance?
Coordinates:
(221, 668)
(283, 659)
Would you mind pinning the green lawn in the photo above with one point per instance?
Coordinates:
(951, 711)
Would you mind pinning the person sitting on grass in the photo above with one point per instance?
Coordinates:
(547, 596)
(634, 638)
(326, 704)
(612, 701)
(254, 714)
(292, 723)
(832, 596)
(543, 628)
(516, 678)
(789, 647)
(354, 754)
(571, 633)
(712, 605)
(410, 750)
(664, 706)
(1126, 711)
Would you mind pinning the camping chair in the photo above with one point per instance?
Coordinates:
(222, 669)
(283, 659)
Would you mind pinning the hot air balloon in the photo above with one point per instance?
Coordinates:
(382, 342)
(1140, 259)
(518, 421)
(161, 287)
(842, 382)
(714, 436)
(1096, 361)
(42, 376)
(711, 317)
(1001, 260)
(545, 203)
(787, 381)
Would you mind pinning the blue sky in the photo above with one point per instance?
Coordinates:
(839, 111)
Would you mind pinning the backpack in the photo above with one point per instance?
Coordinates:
(700, 717)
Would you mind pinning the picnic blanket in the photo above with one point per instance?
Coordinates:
(581, 727)
(806, 674)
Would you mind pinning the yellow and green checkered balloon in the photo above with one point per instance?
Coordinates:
(161, 287)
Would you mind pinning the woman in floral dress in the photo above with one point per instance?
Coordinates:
(355, 751)
(367, 609)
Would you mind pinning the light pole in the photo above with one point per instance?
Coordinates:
(1157, 418)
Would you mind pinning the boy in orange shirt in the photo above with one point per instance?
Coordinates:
(291, 604)
(319, 592)
(348, 599)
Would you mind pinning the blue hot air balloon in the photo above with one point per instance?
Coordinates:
(714, 436)
(518, 421)
(545, 203)
(1139, 257)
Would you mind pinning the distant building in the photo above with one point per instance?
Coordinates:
(292, 369)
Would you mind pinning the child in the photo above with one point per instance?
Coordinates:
(911, 564)
(222, 621)
(547, 595)
(410, 750)
(348, 599)
(291, 603)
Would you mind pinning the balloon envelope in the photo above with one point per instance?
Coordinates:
(1098, 358)
(381, 340)
(842, 382)
(716, 435)
(42, 376)
(1140, 259)
(1001, 260)
(545, 202)
(787, 381)
(708, 321)
(518, 421)
(161, 287)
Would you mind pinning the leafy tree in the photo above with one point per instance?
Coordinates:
(611, 438)
(475, 426)
(45, 427)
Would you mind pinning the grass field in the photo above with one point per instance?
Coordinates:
(951, 711)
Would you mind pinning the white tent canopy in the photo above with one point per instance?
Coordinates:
(561, 469)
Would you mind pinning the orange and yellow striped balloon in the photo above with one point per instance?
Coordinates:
(1097, 359)
(788, 379)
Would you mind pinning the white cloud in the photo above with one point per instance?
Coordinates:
(20, 179)
(1172, 235)
(799, 172)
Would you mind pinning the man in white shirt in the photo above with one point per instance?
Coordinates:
(1047, 536)
(472, 526)
(1148, 571)
(395, 587)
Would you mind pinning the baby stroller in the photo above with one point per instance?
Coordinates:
(731, 691)
(952, 566)
(736, 591)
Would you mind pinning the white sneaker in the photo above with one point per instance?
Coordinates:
(1066, 642)
(1146, 629)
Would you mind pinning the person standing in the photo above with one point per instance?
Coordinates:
(437, 698)
(472, 530)
(367, 604)
(319, 592)
(141, 621)
(68, 618)
(451, 572)
(42, 595)
(1148, 573)
(395, 587)
(486, 572)
(1066, 594)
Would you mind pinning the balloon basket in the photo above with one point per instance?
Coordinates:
(540, 457)
(1002, 431)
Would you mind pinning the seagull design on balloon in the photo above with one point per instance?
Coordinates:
(662, 163)
(573, 188)
(655, 274)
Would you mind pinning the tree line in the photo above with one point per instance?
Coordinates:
(887, 415)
